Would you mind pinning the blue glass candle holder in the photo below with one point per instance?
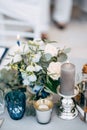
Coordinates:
(16, 103)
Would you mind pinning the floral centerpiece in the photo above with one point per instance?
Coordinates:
(38, 65)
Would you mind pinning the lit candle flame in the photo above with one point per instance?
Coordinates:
(18, 37)
(67, 61)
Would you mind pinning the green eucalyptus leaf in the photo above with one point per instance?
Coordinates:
(47, 57)
(67, 50)
(62, 57)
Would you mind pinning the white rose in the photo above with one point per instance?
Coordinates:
(30, 68)
(51, 50)
(53, 70)
(17, 58)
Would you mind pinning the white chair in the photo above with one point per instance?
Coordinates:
(18, 14)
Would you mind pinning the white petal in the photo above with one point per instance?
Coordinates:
(32, 78)
(37, 68)
(26, 82)
(17, 58)
(24, 75)
(30, 68)
(24, 48)
(53, 70)
(36, 58)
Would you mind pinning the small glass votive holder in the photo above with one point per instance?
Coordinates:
(2, 102)
(43, 109)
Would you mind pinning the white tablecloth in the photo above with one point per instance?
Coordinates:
(30, 123)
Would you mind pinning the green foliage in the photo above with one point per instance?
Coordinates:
(52, 85)
(32, 65)
(67, 50)
(47, 57)
(9, 80)
(62, 57)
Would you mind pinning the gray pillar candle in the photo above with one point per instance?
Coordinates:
(67, 79)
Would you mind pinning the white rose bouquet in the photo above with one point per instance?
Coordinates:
(39, 65)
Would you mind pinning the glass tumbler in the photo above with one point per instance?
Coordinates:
(2, 102)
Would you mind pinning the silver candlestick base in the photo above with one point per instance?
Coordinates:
(67, 109)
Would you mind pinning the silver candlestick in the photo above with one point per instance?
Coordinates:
(67, 109)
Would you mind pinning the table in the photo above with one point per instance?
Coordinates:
(30, 123)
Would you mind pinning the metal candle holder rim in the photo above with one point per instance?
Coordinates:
(76, 91)
(47, 102)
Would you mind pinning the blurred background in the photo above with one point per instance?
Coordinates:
(37, 19)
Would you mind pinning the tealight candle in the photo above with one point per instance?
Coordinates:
(67, 79)
(43, 109)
